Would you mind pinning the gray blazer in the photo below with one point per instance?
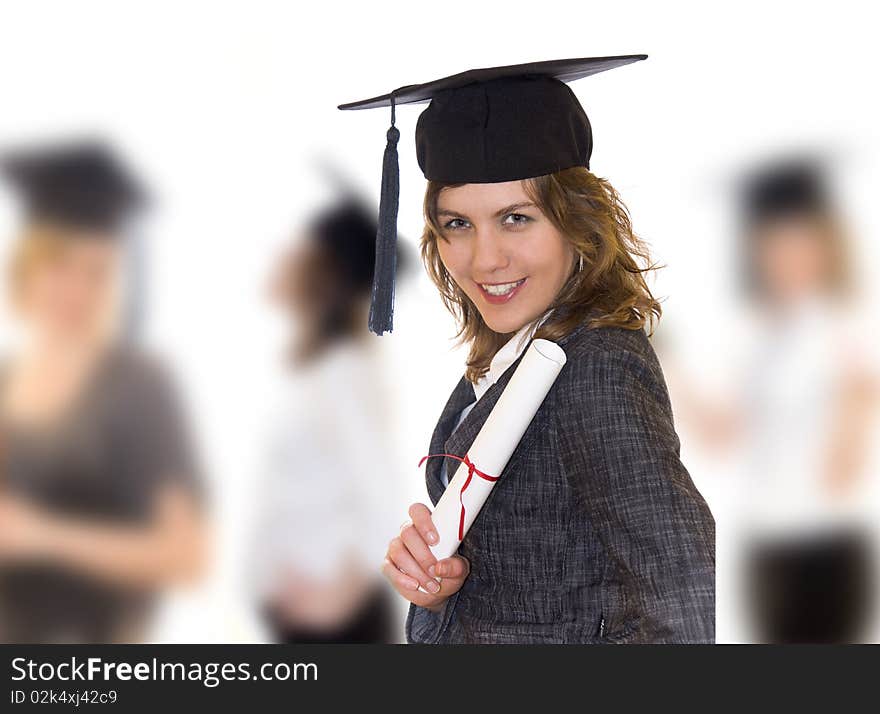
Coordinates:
(595, 532)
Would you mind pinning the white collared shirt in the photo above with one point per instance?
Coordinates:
(504, 357)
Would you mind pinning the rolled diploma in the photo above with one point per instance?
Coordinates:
(496, 442)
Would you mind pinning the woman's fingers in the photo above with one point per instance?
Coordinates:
(405, 574)
(417, 547)
(414, 570)
(399, 553)
(398, 579)
(421, 518)
(454, 567)
(402, 583)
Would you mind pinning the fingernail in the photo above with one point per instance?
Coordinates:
(431, 571)
(439, 569)
(432, 537)
(433, 586)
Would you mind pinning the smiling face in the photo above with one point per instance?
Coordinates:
(502, 251)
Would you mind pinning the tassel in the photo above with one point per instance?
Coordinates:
(382, 300)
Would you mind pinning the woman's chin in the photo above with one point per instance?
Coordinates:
(504, 324)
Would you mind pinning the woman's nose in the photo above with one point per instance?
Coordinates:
(489, 254)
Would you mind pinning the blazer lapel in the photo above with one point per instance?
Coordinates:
(459, 441)
(461, 396)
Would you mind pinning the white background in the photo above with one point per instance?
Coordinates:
(223, 106)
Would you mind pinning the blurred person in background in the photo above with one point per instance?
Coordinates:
(328, 493)
(100, 497)
(808, 391)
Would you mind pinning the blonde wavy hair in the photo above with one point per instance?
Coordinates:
(589, 213)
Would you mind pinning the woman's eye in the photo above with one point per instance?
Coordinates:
(455, 224)
(516, 219)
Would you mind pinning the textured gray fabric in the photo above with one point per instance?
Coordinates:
(595, 532)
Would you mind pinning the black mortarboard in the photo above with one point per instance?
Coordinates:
(483, 126)
(81, 184)
(786, 187)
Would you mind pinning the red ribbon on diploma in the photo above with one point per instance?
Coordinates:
(471, 471)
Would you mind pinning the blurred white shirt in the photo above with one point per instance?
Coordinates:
(794, 378)
(330, 487)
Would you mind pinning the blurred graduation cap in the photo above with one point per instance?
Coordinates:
(79, 184)
(346, 227)
(347, 230)
(791, 186)
(483, 126)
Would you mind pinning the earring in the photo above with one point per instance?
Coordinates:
(581, 266)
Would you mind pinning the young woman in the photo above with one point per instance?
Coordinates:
(594, 531)
(318, 531)
(806, 389)
(98, 489)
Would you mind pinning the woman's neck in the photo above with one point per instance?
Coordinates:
(47, 376)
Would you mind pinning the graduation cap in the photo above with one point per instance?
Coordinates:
(786, 187)
(483, 126)
(79, 184)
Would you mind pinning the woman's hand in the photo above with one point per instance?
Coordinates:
(168, 549)
(409, 563)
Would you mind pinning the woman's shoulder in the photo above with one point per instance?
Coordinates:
(613, 341)
(613, 355)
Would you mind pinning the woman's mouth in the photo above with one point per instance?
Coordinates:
(498, 293)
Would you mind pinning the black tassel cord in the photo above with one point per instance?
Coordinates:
(382, 300)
